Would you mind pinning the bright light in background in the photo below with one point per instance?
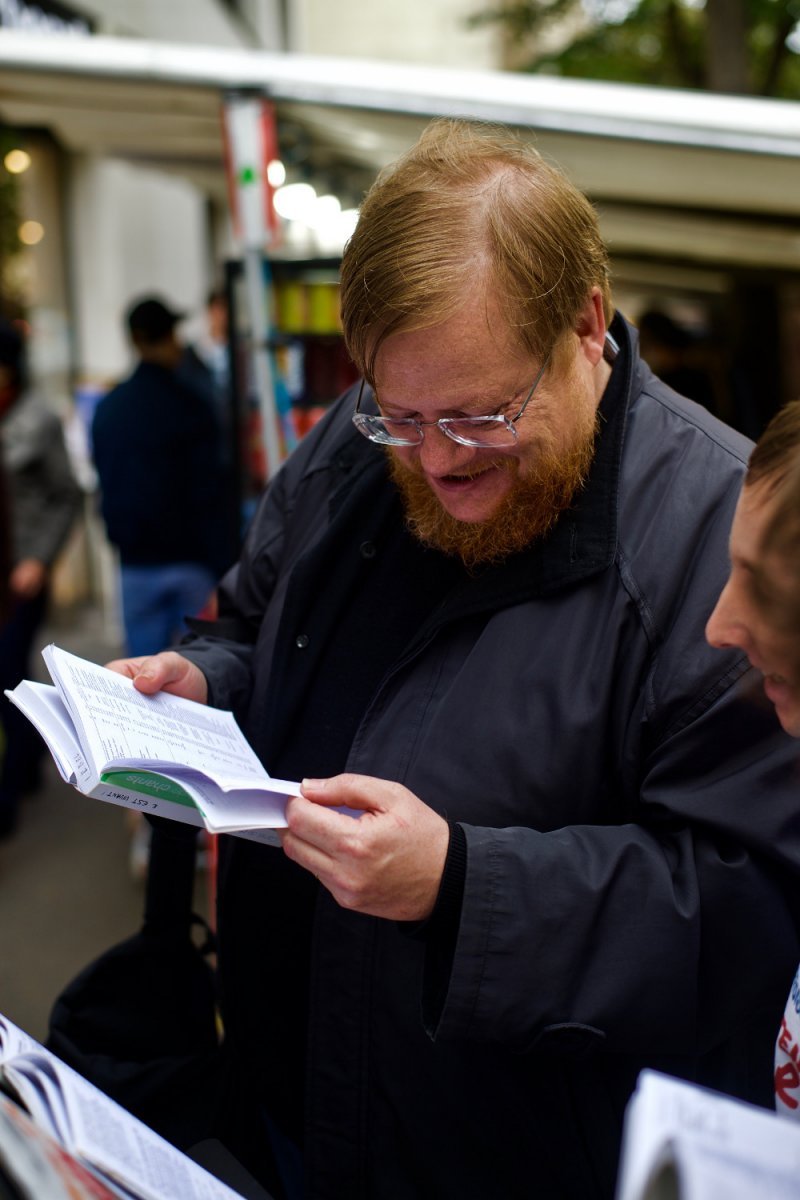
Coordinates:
(295, 201)
(17, 161)
(31, 232)
(314, 222)
(324, 212)
(276, 173)
(346, 223)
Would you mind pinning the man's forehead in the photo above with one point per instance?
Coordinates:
(469, 342)
(754, 513)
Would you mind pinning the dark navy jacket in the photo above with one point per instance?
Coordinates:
(156, 444)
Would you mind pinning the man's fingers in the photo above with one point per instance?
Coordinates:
(165, 672)
(125, 666)
(349, 791)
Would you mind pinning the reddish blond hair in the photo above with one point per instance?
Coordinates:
(469, 208)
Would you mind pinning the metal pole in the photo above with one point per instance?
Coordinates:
(262, 363)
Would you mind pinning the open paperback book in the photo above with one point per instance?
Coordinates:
(127, 1158)
(683, 1142)
(159, 754)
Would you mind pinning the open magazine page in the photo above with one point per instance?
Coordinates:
(96, 1130)
(125, 1150)
(689, 1143)
(33, 1080)
(38, 1167)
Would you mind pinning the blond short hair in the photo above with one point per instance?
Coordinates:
(470, 207)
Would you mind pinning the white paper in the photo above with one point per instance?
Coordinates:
(718, 1147)
(234, 812)
(41, 704)
(120, 726)
(96, 723)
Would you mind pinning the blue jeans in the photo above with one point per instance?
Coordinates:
(155, 601)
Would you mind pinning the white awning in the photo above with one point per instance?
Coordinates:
(687, 173)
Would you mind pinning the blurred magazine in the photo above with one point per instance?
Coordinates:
(115, 1151)
(158, 754)
(683, 1142)
(33, 1166)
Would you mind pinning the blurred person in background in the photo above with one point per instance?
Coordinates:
(157, 447)
(159, 452)
(205, 359)
(758, 612)
(205, 366)
(44, 500)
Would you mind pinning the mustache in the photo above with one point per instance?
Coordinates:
(507, 465)
(498, 462)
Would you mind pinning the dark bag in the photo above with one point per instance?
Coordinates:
(141, 1022)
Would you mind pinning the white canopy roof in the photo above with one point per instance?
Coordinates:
(710, 178)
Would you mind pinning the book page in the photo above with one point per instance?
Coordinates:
(44, 708)
(676, 1130)
(240, 810)
(13, 1040)
(118, 726)
(694, 1170)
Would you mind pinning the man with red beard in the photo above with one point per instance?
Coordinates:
(481, 626)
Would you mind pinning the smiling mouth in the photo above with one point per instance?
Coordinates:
(467, 476)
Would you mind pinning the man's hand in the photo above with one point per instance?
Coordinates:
(165, 672)
(387, 863)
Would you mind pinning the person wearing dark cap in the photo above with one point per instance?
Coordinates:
(156, 447)
(43, 500)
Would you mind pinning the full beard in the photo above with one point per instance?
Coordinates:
(526, 514)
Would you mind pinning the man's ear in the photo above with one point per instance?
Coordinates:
(590, 327)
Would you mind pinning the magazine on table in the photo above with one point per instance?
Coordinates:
(107, 1152)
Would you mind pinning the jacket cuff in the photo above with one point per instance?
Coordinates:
(440, 931)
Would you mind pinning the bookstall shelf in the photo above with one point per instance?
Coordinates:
(310, 366)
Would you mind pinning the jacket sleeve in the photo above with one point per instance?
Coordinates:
(661, 935)
(50, 488)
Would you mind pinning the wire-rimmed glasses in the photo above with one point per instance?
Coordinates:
(491, 430)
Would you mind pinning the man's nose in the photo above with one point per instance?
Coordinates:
(723, 628)
(441, 455)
